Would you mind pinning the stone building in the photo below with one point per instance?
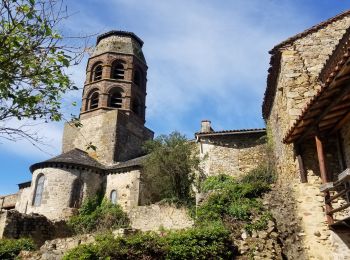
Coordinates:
(306, 108)
(112, 118)
(232, 152)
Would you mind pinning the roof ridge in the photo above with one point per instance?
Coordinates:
(275, 60)
(233, 130)
(310, 30)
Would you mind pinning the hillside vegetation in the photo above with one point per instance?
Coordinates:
(231, 205)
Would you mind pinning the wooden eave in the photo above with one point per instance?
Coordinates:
(328, 111)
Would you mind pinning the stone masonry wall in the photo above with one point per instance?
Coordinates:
(127, 186)
(345, 134)
(301, 63)
(233, 154)
(8, 201)
(117, 136)
(100, 130)
(57, 191)
(23, 201)
(16, 225)
(155, 217)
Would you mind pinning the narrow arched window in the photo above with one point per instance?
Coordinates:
(113, 196)
(137, 78)
(117, 70)
(137, 107)
(93, 101)
(115, 98)
(77, 194)
(39, 188)
(97, 72)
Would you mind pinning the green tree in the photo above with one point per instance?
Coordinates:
(170, 167)
(33, 60)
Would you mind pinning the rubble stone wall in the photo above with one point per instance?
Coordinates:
(345, 134)
(155, 217)
(233, 155)
(16, 225)
(8, 201)
(301, 63)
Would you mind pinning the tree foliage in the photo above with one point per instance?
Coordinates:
(170, 167)
(33, 59)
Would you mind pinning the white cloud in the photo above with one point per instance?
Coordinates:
(205, 58)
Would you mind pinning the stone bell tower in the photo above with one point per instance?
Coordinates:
(113, 103)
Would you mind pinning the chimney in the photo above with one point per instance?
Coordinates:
(206, 126)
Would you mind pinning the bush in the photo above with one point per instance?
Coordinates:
(263, 174)
(232, 198)
(98, 214)
(197, 243)
(169, 168)
(218, 182)
(10, 248)
(207, 242)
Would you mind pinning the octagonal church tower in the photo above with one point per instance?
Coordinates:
(113, 102)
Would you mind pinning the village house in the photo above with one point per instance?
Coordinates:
(306, 108)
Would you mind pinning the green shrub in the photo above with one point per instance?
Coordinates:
(243, 208)
(98, 215)
(218, 182)
(212, 242)
(229, 197)
(10, 248)
(262, 173)
(206, 242)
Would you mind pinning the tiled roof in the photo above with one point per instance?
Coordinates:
(273, 71)
(119, 33)
(334, 65)
(75, 157)
(232, 132)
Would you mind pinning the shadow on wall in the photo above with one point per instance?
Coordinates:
(283, 208)
(241, 142)
(341, 241)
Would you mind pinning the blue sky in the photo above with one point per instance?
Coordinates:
(207, 60)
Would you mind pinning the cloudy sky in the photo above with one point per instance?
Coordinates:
(206, 59)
